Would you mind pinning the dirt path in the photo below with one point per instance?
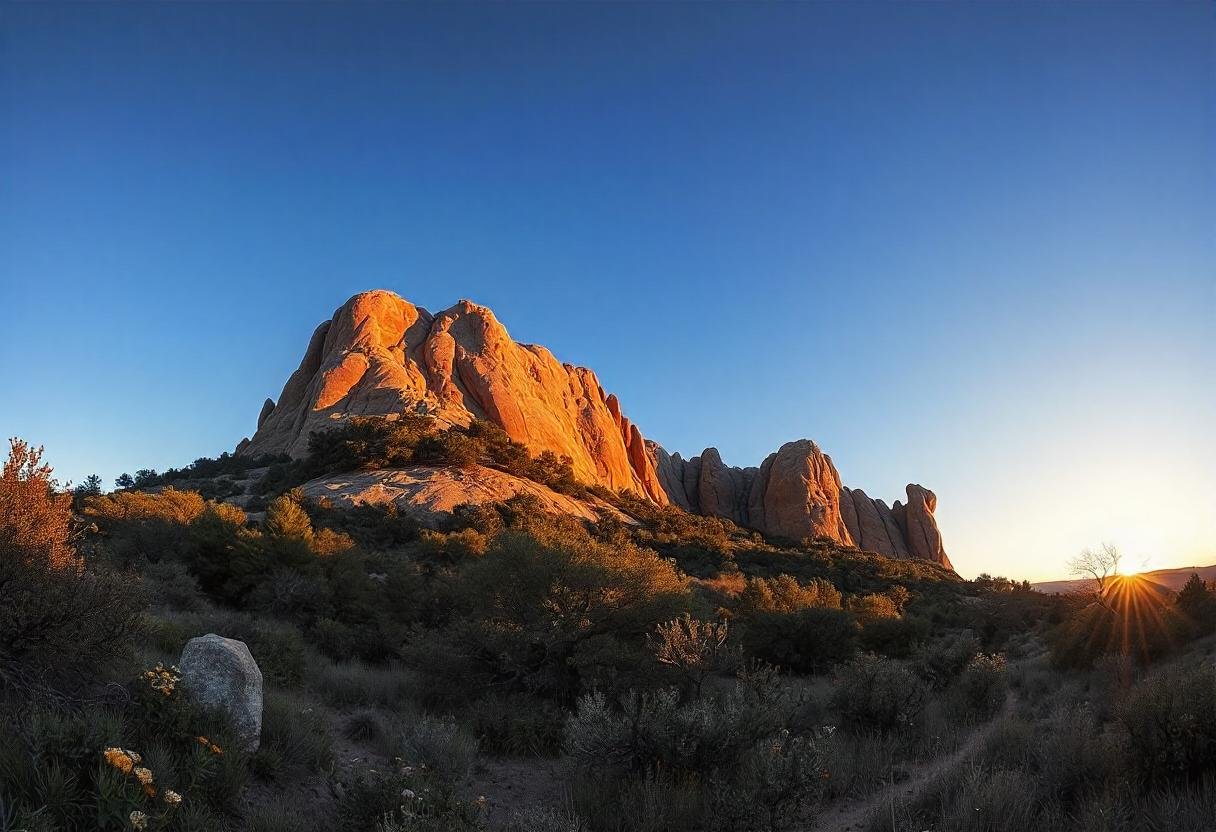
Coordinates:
(852, 816)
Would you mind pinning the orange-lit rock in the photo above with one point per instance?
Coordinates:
(381, 355)
(428, 494)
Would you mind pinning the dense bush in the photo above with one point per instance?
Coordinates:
(784, 594)
(63, 622)
(551, 610)
(981, 688)
(733, 747)
(1170, 719)
(372, 442)
(807, 641)
(873, 692)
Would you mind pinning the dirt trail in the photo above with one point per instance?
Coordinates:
(852, 816)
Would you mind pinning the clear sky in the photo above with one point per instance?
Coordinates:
(971, 246)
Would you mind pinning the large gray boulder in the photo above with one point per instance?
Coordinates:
(220, 673)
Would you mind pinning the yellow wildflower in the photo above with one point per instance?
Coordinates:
(139, 820)
(143, 775)
(215, 749)
(119, 759)
(172, 797)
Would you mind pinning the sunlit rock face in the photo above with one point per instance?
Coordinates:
(380, 355)
(796, 493)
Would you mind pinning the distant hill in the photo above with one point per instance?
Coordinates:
(1171, 579)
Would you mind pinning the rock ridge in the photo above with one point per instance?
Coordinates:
(381, 355)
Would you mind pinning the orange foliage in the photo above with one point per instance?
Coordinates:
(35, 517)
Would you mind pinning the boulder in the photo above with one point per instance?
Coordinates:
(220, 673)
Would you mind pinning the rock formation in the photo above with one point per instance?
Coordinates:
(220, 673)
(430, 494)
(381, 355)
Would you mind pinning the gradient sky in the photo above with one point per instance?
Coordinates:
(971, 246)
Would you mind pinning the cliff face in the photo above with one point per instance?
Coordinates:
(796, 493)
(381, 355)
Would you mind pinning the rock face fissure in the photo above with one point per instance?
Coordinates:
(380, 355)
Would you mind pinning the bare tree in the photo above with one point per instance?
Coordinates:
(1096, 568)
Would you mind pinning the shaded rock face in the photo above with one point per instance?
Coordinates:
(380, 355)
(220, 673)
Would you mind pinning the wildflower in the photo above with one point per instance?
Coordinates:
(139, 820)
(172, 797)
(408, 794)
(143, 775)
(209, 745)
(119, 759)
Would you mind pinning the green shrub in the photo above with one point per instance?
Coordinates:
(334, 639)
(439, 744)
(295, 738)
(896, 638)
(517, 724)
(939, 661)
(1170, 719)
(981, 688)
(280, 653)
(554, 610)
(405, 799)
(354, 683)
(883, 694)
(806, 641)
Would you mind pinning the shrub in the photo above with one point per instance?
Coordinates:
(62, 623)
(693, 648)
(441, 745)
(365, 725)
(517, 724)
(553, 609)
(896, 638)
(295, 738)
(405, 799)
(1170, 719)
(785, 594)
(333, 638)
(873, 692)
(872, 607)
(981, 688)
(355, 683)
(806, 641)
(942, 659)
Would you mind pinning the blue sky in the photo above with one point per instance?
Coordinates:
(971, 246)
